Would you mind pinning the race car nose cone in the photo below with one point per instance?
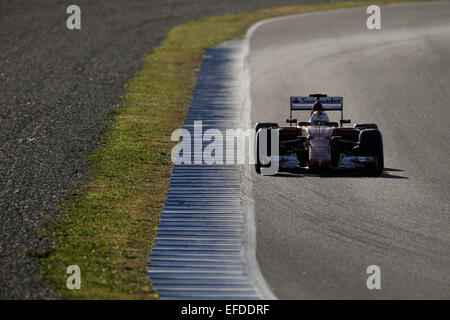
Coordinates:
(319, 158)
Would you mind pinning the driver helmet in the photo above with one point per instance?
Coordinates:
(317, 106)
(319, 118)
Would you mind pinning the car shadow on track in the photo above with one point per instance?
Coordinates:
(297, 173)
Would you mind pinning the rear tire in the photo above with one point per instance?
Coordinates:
(363, 126)
(371, 144)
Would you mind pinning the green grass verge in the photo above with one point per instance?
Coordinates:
(109, 221)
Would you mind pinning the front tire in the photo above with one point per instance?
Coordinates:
(371, 144)
(262, 125)
(267, 125)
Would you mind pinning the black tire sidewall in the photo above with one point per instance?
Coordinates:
(371, 144)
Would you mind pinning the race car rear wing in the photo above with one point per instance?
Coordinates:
(306, 103)
(328, 103)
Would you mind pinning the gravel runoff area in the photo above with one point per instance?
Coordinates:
(57, 86)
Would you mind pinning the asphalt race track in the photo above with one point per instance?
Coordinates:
(317, 234)
(56, 87)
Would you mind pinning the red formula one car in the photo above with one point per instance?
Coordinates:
(319, 144)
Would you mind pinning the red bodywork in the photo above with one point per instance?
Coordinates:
(319, 146)
(319, 140)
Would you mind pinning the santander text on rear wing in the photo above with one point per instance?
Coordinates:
(306, 103)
